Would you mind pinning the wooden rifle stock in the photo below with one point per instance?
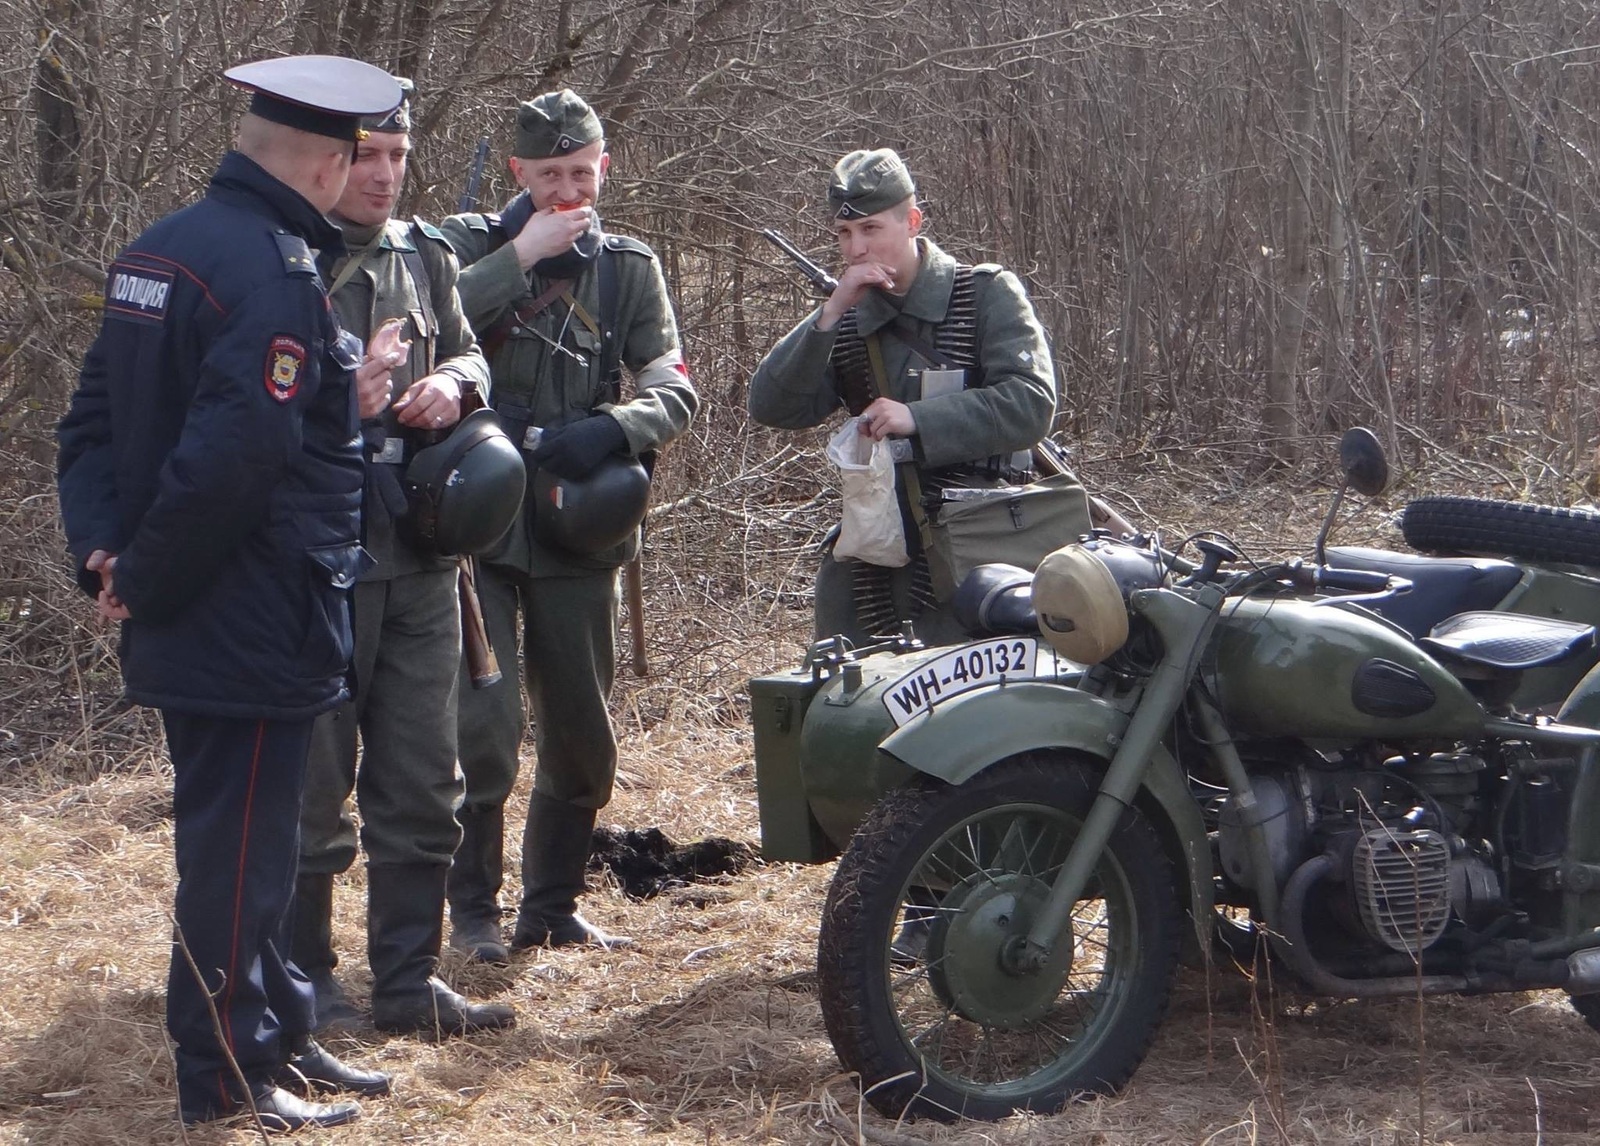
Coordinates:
(633, 585)
(482, 666)
(1048, 457)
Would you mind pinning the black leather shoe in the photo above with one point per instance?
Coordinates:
(281, 1112)
(313, 1068)
(480, 937)
(567, 931)
(438, 1012)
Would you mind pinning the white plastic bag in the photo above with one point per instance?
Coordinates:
(870, 530)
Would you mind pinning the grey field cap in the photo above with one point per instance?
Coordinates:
(866, 182)
(325, 95)
(555, 123)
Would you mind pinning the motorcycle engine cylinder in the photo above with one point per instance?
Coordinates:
(1401, 884)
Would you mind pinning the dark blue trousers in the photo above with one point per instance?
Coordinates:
(236, 816)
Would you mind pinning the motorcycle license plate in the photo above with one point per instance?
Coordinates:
(958, 671)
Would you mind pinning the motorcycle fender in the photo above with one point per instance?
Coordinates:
(963, 736)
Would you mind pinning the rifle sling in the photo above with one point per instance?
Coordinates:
(910, 479)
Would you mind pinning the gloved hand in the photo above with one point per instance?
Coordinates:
(572, 450)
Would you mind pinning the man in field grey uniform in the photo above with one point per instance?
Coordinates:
(900, 302)
(407, 623)
(558, 308)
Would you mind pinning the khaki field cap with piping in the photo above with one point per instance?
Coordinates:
(325, 95)
(866, 182)
(556, 123)
(1081, 612)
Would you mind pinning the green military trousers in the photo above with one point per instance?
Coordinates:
(407, 786)
(569, 662)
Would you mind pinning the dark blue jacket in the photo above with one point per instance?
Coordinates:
(212, 444)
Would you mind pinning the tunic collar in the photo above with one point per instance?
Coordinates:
(928, 300)
(385, 235)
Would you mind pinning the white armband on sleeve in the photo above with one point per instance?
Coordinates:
(662, 371)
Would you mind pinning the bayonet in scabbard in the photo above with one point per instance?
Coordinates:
(819, 277)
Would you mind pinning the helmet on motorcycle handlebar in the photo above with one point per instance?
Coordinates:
(465, 492)
(1081, 612)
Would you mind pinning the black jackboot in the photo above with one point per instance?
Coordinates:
(555, 853)
(311, 949)
(474, 885)
(405, 924)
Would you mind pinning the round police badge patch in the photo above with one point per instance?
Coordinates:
(286, 358)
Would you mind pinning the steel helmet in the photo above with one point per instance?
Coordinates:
(465, 492)
(1080, 607)
(595, 512)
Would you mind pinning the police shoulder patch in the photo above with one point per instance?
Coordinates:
(286, 361)
(296, 254)
(139, 289)
(627, 243)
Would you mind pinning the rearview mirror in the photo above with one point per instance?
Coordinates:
(1361, 457)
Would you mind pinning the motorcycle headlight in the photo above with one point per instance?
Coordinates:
(1080, 605)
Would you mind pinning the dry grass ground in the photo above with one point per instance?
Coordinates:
(709, 1031)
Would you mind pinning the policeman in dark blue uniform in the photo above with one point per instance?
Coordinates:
(210, 478)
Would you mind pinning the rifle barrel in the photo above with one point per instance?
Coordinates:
(469, 197)
(819, 277)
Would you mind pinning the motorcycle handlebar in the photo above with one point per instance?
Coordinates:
(1352, 580)
(1305, 576)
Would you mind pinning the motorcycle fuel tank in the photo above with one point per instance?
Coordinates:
(1292, 668)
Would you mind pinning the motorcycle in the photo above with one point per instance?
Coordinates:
(1038, 825)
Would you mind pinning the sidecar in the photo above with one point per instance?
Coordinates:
(836, 735)
(817, 776)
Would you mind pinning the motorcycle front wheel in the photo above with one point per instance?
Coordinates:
(937, 885)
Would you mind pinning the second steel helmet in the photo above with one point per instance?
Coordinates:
(595, 512)
(465, 492)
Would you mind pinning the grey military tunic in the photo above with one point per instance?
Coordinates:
(1007, 406)
(547, 369)
(406, 611)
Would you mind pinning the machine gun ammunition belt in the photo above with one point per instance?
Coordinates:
(955, 340)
